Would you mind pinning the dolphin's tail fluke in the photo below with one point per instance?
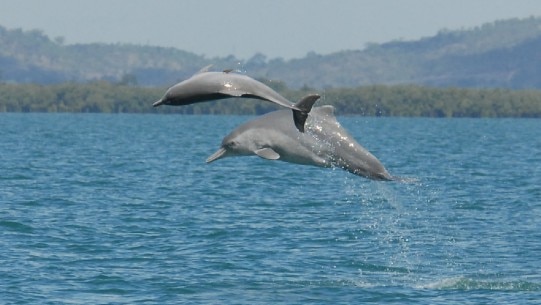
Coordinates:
(304, 106)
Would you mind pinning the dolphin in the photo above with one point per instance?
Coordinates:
(206, 86)
(325, 143)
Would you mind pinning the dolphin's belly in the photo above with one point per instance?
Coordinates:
(197, 98)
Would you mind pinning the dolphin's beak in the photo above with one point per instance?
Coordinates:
(157, 103)
(217, 155)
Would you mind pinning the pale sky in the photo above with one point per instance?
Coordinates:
(279, 28)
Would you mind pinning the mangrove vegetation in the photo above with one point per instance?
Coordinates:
(376, 100)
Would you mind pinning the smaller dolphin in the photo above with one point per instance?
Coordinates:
(206, 86)
(325, 143)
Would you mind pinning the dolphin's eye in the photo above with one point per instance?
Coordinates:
(231, 144)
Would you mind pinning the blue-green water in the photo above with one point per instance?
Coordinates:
(122, 209)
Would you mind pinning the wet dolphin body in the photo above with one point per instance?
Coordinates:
(206, 86)
(325, 143)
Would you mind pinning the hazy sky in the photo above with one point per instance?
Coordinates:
(278, 28)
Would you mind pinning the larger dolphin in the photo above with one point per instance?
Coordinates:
(325, 143)
(206, 86)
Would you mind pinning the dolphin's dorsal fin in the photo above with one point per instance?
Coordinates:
(267, 153)
(228, 70)
(327, 110)
(204, 69)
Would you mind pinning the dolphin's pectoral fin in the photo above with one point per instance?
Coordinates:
(304, 106)
(267, 153)
(232, 92)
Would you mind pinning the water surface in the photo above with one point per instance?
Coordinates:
(122, 209)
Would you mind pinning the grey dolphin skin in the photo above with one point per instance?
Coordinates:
(325, 143)
(206, 86)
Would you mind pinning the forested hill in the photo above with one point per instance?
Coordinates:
(504, 54)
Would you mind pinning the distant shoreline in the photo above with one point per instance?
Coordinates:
(374, 100)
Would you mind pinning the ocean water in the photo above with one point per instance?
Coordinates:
(122, 209)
